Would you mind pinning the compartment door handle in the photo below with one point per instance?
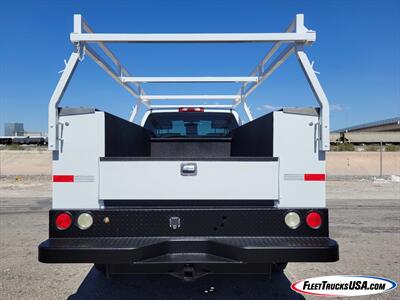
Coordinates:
(188, 169)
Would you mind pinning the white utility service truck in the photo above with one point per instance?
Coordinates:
(193, 189)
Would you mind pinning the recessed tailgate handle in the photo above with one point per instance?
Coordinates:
(188, 169)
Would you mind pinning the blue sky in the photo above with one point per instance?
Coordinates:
(357, 53)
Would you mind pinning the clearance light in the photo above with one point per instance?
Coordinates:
(191, 109)
(85, 221)
(63, 178)
(63, 221)
(314, 177)
(292, 220)
(314, 220)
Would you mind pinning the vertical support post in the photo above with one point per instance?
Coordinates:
(319, 95)
(299, 24)
(56, 98)
(247, 111)
(135, 110)
(78, 24)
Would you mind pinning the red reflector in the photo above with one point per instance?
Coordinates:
(191, 109)
(314, 220)
(314, 177)
(63, 221)
(63, 178)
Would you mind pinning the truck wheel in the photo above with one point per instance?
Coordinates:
(278, 267)
(100, 267)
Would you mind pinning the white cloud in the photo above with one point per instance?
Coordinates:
(268, 107)
(332, 107)
(336, 107)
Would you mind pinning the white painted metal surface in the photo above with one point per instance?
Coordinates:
(190, 97)
(298, 25)
(109, 70)
(302, 37)
(271, 68)
(296, 145)
(214, 180)
(247, 110)
(191, 79)
(296, 35)
(82, 145)
(300, 141)
(56, 98)
(319, 95)
(171, 106)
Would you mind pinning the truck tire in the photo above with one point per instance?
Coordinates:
(278, 267)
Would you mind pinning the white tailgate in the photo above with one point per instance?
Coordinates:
(163, 180)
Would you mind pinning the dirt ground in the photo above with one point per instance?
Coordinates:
(362, 163)
(364, 219)
(14, 162)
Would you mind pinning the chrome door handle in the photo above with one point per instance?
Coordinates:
(188, 169)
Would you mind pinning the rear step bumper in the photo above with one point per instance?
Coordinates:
(156, 250)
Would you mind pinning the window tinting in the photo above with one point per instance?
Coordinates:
(191, 124)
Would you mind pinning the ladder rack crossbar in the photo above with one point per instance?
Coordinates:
(190, 97)
(288, 37)
(190, 79)
(216, 106)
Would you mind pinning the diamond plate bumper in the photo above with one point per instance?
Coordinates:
(204, 235)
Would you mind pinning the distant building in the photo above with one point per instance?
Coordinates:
(385, 131)
(14, 129)
(14, 133)
(392, 124)
(34, 133)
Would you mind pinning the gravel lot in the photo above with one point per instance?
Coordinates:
(364, 218)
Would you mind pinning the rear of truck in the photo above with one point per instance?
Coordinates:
(188, 193)
(191, 190)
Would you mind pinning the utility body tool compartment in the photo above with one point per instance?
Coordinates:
(124, 178)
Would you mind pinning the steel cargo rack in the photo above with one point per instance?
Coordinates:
(292, 40)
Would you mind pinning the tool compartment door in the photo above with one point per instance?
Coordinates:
(160, 179)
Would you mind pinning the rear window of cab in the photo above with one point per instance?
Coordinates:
(191, 124)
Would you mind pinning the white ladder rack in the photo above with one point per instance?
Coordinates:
(295, 37)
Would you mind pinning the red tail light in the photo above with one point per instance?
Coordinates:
(314, 220)
(63, 221)
(191, 109)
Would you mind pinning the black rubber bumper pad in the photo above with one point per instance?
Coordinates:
(146, 250)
